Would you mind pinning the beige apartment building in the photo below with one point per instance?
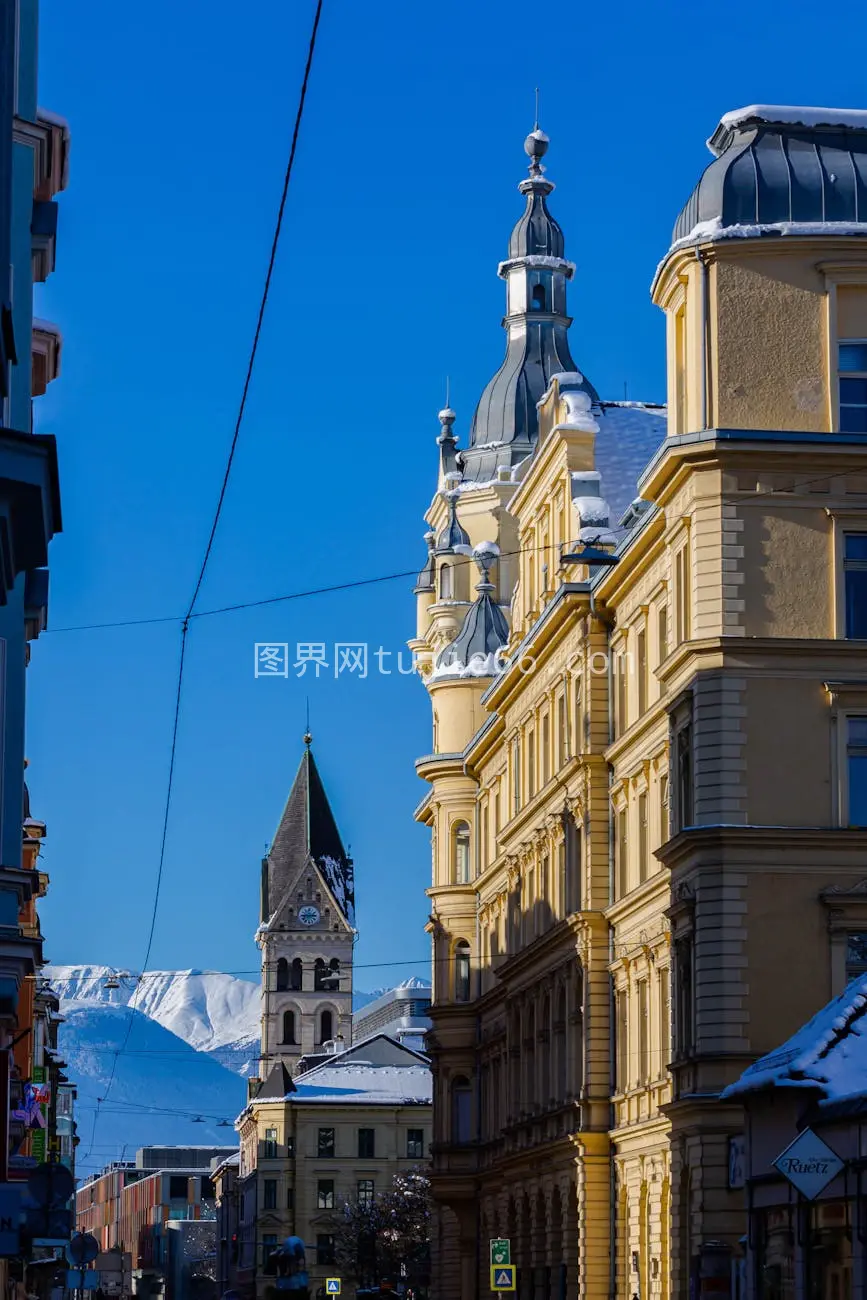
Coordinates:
(648, 776)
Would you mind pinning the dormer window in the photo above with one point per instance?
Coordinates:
(538, 301)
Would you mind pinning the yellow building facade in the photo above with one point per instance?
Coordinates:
(645, 779)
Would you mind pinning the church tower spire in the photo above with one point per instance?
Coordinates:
(506, 424)
(307, 928)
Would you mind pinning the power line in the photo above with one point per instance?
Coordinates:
(185, 625)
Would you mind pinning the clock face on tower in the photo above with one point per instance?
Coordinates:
(308, 915)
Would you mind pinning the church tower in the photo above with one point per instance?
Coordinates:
(307, 928)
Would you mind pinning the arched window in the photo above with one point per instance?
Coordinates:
(288, 1026)
(296, 975)
(447, 586)
(326, 1027)
(462, 853)
(462, 971)
(282, 974)
(462, 1110)
(538, 302)
(333, 976)
(320, 975)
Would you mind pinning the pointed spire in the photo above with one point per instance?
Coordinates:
(426, 579)
(477, 649)
(447, 442)
(453, 537)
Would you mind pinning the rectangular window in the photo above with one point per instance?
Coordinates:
(572, 863)
(622, 1028)
(366, 1143)
(269, 1194)
(415, 1144)
(290, 1198)
(270, 1151)
(662, 632)
(365, 1192)
(562, 740)
(641, 670)
(856, 770)
(684, 1006)
(576, 744)
(664, 1019)
(546, 749)
(684, 777)
(516, 775)
(680, 370)
(621, 713)
(853, 385)
(178, 1187)
(856, 955)
(325, 1194)
(269, 1245)
(643, 1033)
(622, 853)
(642, 838)
(664, 831)
(855, 581)
(531, 763)
(683, 593)
(325, 1248)
(325, 1143)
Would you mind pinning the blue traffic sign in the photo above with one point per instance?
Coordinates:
(332, 1286)
(503, 1277)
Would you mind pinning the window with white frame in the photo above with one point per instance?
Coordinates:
(856, 955)
(852, 381)
(461, 853)
(855, 584)
(856, 769)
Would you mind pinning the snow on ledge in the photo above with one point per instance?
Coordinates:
(712, 230)
(789, 115)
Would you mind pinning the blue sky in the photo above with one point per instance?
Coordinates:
(402, 201)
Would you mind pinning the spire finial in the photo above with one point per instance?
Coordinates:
(308, 739)
(536, 145)
(485, 554)
(536, 123)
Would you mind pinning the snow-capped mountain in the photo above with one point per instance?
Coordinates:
(215, 1013)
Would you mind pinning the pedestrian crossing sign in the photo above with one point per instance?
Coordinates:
(503, 1277)
(332, 1286)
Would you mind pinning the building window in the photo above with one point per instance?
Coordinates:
(269, 1194)
(853, 385)
(546, 749)
(641, 670)
(447, 589)
(531, 763)
(296, 975)
(621, 713)
(415, 1144)
(282, 975)
(856, 955)
(622, 1042)
(572, 865)
(178, 1188)
(290, 1147)
(270, 1152)
(366, 1143)
(325, 1143)
(325, 1194)
(516, 775)
(577, 742)
(622, 853)
(855, 581)
(643, 1032)
(663, 808)
(562, 738)
(462, 971)
(462, 1101)
(662, 632)
(365, 1193)
(680, 370)
(538, 299)
(856, 770)
(326, 1027)
(642, 838)
(462, 853)
(664, 1019)
(684, 777)
(685, 1004)
(290, 1198)
(269, 1245)
(288, 1026)
(324, 1248)
(683, 593)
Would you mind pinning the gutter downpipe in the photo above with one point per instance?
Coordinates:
(704, 331)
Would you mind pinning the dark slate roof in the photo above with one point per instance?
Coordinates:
(772, 168)
(484, 632)
(308, 832)
(278, 1084)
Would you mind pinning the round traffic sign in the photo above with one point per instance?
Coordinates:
(83, 1249)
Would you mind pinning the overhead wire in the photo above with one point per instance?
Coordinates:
(185, 624)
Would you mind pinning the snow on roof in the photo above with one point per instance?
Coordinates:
(704, 230)
(789, 115)
(358, 1082)
(828, 1053)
